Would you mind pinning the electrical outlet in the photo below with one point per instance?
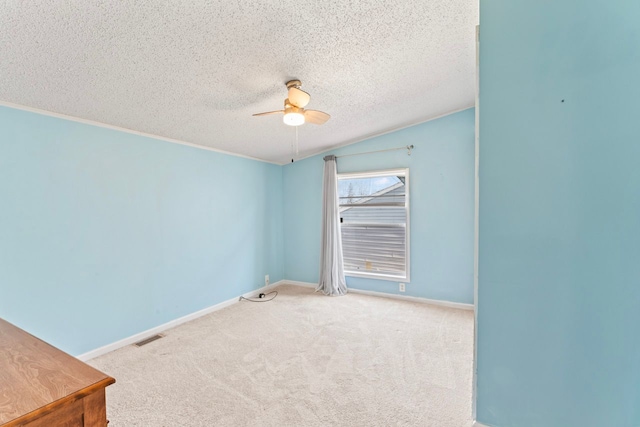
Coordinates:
(266, 280)
(401, 287)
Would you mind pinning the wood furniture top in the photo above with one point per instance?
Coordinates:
(37, 378)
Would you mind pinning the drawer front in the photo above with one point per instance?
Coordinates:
(71, 415)
(87, 412)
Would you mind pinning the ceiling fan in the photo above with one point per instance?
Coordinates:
(294, 112)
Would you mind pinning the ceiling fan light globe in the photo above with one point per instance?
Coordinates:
(293, 119)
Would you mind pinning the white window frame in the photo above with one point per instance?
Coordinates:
(380, 173)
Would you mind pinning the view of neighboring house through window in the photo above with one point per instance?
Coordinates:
(374, 216)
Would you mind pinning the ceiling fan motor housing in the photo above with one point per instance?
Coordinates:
(293, 83)
(289, 108)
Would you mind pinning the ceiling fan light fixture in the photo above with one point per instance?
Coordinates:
(293, 118)
(294, 111)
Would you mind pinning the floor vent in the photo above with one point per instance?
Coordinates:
(148, 340)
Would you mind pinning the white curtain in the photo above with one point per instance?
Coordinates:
(332, 281)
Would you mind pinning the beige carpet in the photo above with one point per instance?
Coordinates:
(302, 359)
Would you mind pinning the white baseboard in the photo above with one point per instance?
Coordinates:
(171, 324)
(449, 304)
(477, 424)
(297, 283)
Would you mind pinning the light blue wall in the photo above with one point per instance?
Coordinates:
(441, 171)
(104, 234)
(559, 267)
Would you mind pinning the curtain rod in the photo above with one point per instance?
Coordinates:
(406, 147)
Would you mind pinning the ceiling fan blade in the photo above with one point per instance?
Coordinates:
(268, 113)
(316, 117)
(298, 97)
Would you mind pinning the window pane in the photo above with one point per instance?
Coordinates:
(363, 214)
(374, 249)
(384, 190)
(374, 224)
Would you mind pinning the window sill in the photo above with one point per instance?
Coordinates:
(377, 276)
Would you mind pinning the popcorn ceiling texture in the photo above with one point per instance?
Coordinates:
(195, 71)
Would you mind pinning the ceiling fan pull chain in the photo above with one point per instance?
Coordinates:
(297, 142)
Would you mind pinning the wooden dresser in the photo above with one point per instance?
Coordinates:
(41, 386)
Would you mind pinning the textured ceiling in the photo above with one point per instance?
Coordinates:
(195, 71)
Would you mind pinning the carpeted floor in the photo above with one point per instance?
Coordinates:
(302, 359)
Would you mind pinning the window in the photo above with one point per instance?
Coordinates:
(374, 216)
